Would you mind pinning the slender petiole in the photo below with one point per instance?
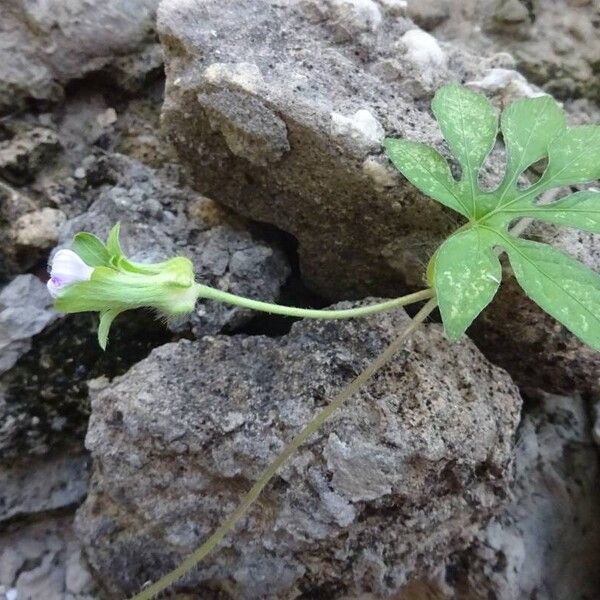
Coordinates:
(317, 421)
(210, 293)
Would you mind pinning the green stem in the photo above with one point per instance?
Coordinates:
(195, 557)
(210, 293)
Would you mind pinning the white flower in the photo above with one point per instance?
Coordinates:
(66, 268)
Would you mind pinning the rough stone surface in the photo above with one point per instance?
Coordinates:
(546, 543)
(404, 474)
(555, 44)
(43, 560)
(286, 125)
(46, 43)
(47, 484)
(24, 155)
(25, 310)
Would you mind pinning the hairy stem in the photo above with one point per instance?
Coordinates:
(309, 313)
(193, 559)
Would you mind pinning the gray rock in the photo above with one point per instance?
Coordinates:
(361, 228)
(43, 559)
(286, 127)
(38, 230)
(39, 486)
(161, 219)
(25, 310)
(27, 153)
(45, 44)
(555, 44)
(404, 474)
(547, 542)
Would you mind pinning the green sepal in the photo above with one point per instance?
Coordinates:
(106, 319)
(90, 249)
(113, 245)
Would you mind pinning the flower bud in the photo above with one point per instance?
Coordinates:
(66, 268)
(97, 277)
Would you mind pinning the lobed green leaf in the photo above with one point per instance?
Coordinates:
(573, 157)
(467, 273)
(469, 124)
(528, 127)
(559, 284)
(427, 170)
(580, 210)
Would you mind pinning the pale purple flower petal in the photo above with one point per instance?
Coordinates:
(66, 268)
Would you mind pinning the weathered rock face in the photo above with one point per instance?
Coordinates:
(547, 541)
(25, 310)
(43, 485)
(45, 44)
(401, 476)
(555, 44)
(44, 560)
(287, 124)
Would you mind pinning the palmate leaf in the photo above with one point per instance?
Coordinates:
(580, 210)
(465, 269)
(528, 127)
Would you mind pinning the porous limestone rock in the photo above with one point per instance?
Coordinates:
(43, 485)
(43, 559)
(22, 156)
(401, 476)
(556, 45)
(286, 125)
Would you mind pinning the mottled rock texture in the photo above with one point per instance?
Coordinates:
(546, 543)
(42, 485)
(404, 474)
(46, 43)
(555, 44)
(43, 560)
(25, 310)
(285, 124)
